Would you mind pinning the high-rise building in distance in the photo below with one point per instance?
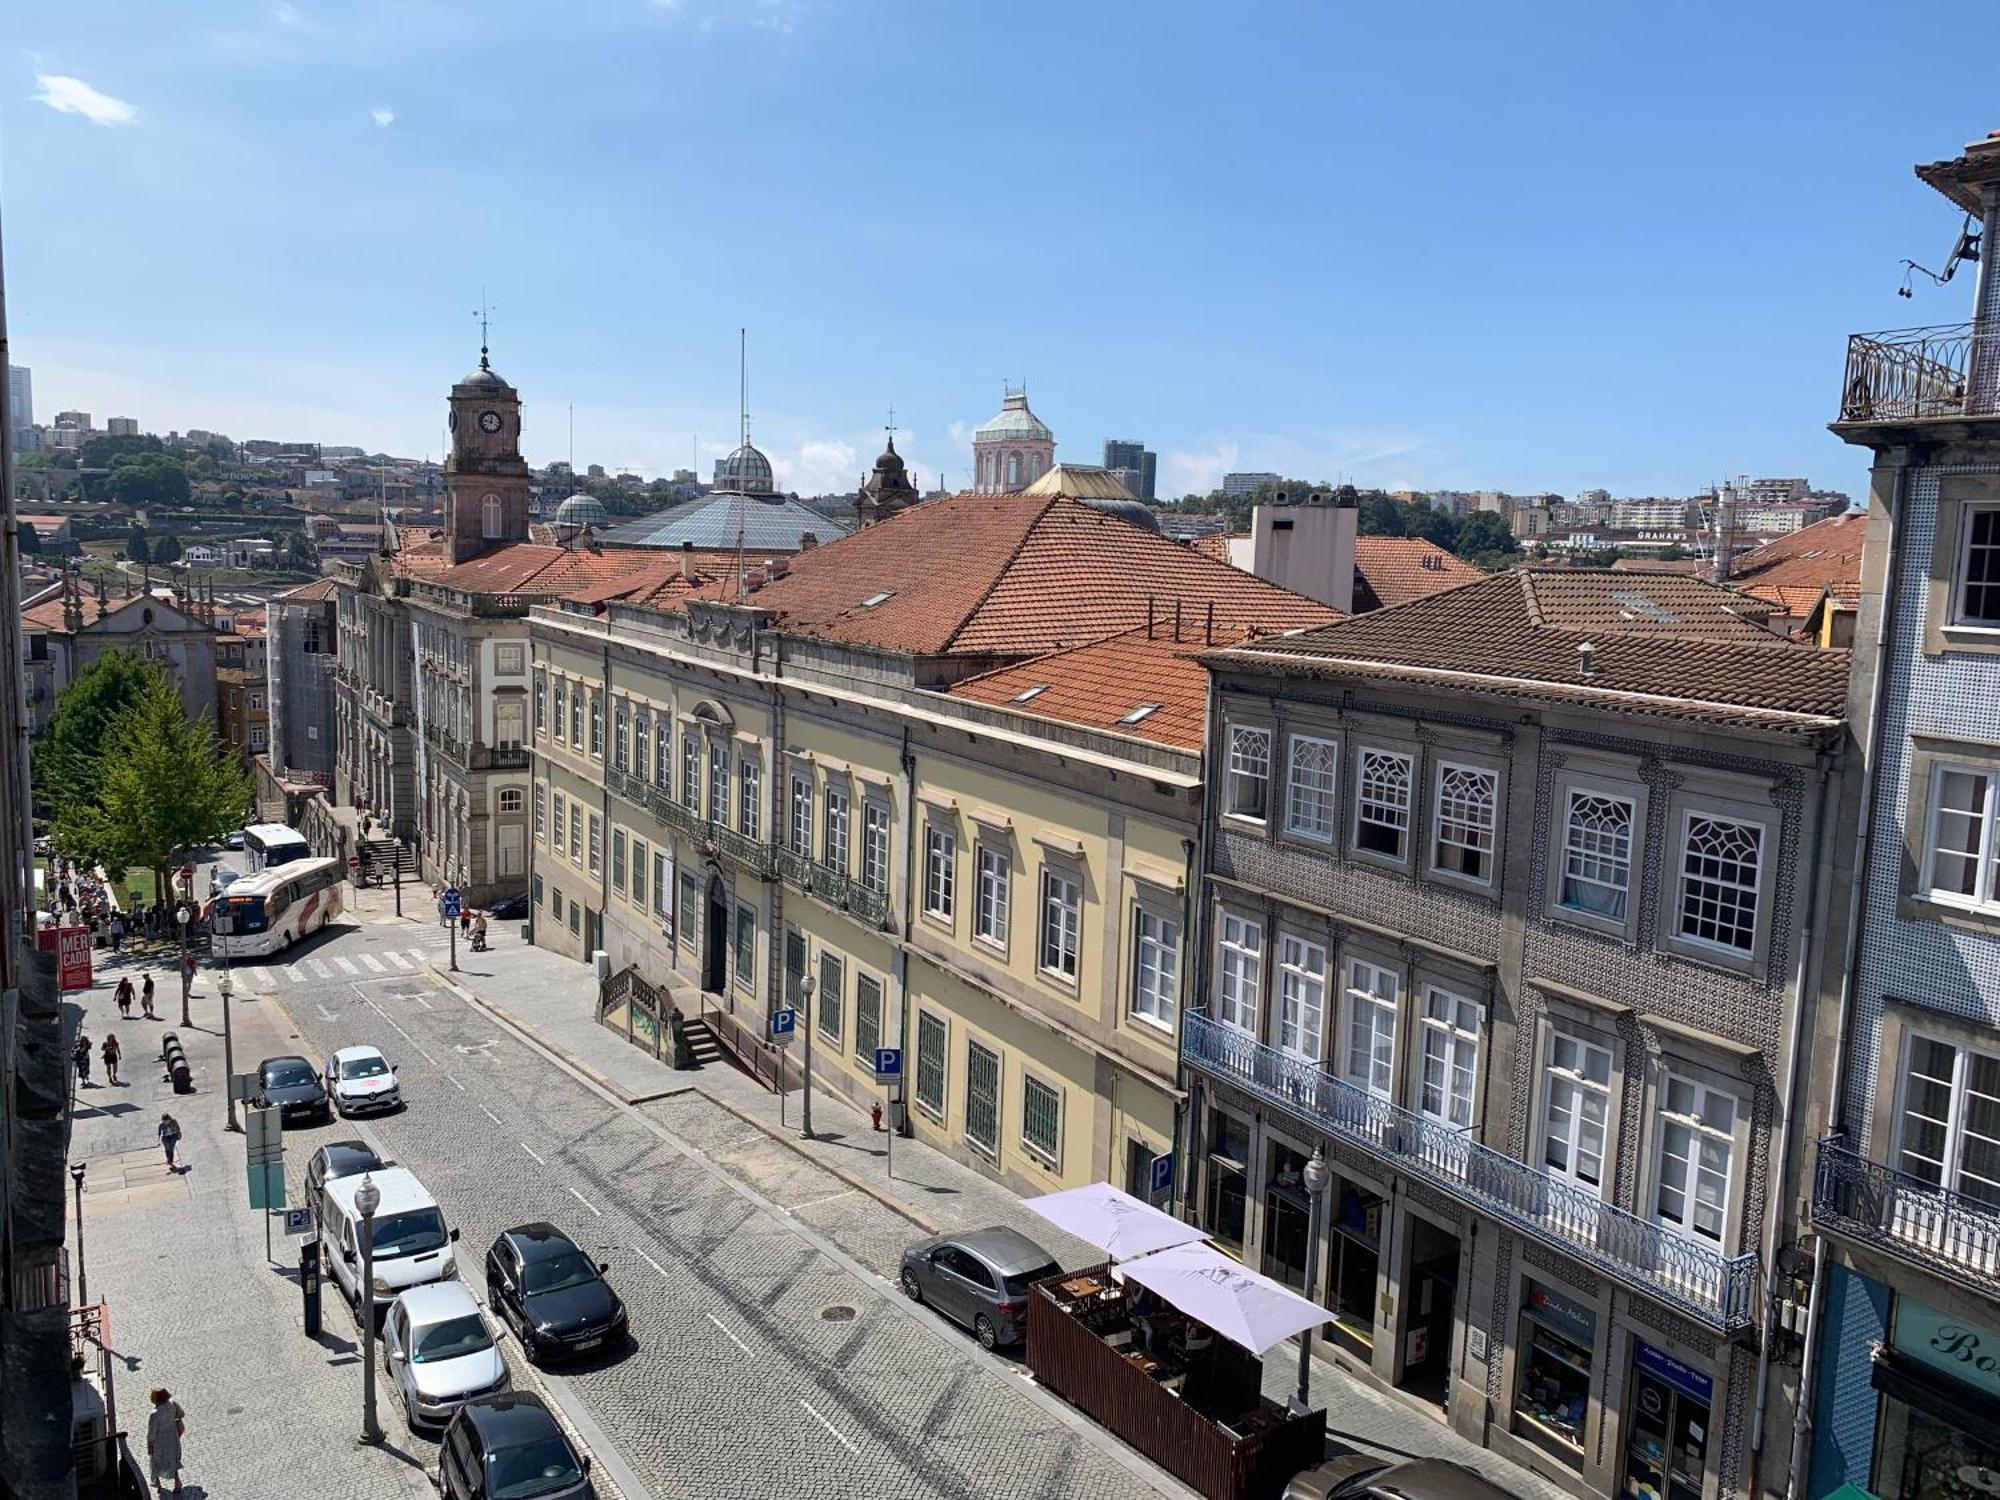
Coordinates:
(1135, 467)
(1242, 484)
(122, 426)
(20, 396)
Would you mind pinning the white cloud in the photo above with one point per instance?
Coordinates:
(287, 15)
(72, 96)
(384, 116)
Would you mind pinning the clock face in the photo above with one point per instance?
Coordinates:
(489, 421)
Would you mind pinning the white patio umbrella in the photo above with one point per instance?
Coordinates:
(1234, 1300)
(1115, 1222)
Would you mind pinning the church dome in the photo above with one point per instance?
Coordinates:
(485, 378)
(1138, 512)
(1015, 423)
(581, 510)
(745, 472)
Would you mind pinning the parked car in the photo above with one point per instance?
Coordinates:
(979, 1279)
(1362, 1476)
(437, 1347)
(509, 1447)
(412, 1243)
(290, 1085)
(362, 1082)
(556, 1300)
(334, 1160)
(509, 909)
(233, 839)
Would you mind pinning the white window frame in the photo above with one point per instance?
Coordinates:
(750, 792)
(1239, 972)
(1590, 860)
(1448, 1056)
(1312, 792)
(1985, 895)
(1693, 1169)
(642, 742)
(596, 844)
(596, 724)
(993, 875)
(621, 722)
(1248, 767)
(874, 846)
(1368, 1047)
(1567, 1084)
(1961, 578)
(1301, 996)
(1365, 801)
(541, 813)
(1466, 834)
(507, 793)
(1049, 1153)
(556, 805)
(834, 829)
(799, 827)
(1156, 959)
(1689, 817)
(940, 872)
(1059, 935)
(720, 753)
(691, 769)
(1948, 1170)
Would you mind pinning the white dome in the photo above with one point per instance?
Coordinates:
(746, 472)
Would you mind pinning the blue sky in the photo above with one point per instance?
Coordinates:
(1541, 246)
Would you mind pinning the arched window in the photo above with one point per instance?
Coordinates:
(1014, 471)
(490, 524)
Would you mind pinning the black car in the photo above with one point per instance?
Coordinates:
(551, 1294)
(334, 1160)
(292, 1085)
(510, 909)
(508, 1447)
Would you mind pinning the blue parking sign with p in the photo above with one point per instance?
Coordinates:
(784, 1022)
(1162, 1177)
(888, 1062)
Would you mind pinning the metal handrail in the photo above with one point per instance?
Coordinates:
(1936, 1227)
(1916, 374)
(1696, 1278)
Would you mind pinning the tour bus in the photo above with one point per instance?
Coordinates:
(270, 844)
(273, 909)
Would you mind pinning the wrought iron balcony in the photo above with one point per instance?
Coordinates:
(754, 855)
(834, 887)
(1946, 1232)
(1922, 374)
(1692, 1277)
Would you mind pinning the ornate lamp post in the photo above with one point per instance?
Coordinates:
(368, 1198)
(806, 987)
(82, 1279)
(1314, 1175)
(184, 913)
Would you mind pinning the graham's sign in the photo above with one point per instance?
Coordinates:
(1967, 1353)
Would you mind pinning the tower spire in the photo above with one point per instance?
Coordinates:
(484, 313)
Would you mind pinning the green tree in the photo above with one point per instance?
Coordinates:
(68, 761)
(155, 479)
(28, 539)
(169, 783)
(1380, 516)
(1485, 537)
(105, 451)
(136, 547)
(167, 549)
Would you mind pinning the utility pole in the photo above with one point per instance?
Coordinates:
(82, 1278)
(806, 987)
(368, 1198)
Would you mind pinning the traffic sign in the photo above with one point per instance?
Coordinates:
(784, 1026)
(267, 1184)
(353, 861)
(263, 1133)
(221, 922)
(242, 1086)
(888, 1063)
(453, 901)
(298, 1220)
(1162, 1175)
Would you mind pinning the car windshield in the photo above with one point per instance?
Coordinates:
(531, 1469)
(363, 1067)
(1017, 1286)
(411, 1232)
(288, 1074)
(346, 1162)
(558, 1273)
(451, 1338)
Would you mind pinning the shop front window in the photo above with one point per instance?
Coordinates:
(1228, 1179)
(1354, 1260)
(1558, 1334)
(1666, 1449)
(1286, 1213)
(1924, 1456)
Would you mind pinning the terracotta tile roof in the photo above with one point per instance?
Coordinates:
(316, 592)
(1396, 569)
(1009, 575)
(531, 568)
(1217, 546)
(1099, 684)
(1826, 553)
(662, 581)
(1662, 646)
(421, 559)
(1789, 598)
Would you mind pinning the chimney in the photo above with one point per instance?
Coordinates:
(1586, 659)
(1725, 532)
(687, 561)
(1149, 617)
(808, 540)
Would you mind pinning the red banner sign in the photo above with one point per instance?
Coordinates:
(73, 959)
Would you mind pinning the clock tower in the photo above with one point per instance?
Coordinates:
(486, 481)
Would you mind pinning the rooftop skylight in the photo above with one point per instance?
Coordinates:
(1144, 710)
(874, 599)
(1034, 692)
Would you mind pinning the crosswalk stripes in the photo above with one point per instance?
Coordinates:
(399, 961)
(292, 973)
(319, 967)
(346, 965)
(264, 981)
(420, 958)
(372, 964)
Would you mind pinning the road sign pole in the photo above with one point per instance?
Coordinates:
(889, 1108)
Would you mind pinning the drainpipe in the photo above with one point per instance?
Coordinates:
(909, 765)
(1191, 909)
(1851, 961)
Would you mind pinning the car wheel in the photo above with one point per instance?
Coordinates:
(982, 1326)
(911, 1289)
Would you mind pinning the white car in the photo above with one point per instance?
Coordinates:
(438, 1348)
(360, 1081)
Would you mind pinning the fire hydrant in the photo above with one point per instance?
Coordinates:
(875, 1113)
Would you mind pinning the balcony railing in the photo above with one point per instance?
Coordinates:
(1918, 374)
(751, 854)
(1695, 1278)
(804, 873)
(1946, 1232)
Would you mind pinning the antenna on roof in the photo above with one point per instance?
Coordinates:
(572, 439)
(743, 386)
(484, 313)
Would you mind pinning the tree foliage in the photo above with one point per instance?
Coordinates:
(156, 479)
(136, 546)
(166, 548)
(68, 760)
(105, 451)
(28, 540)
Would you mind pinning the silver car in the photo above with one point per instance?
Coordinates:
(439, 1350)
(980, 1279)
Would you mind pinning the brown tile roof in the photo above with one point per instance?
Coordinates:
(1099, 684)
(1217, 546)
(1396, 569)
(1825, 554)
(1662, 646)
(1009, 575)
(1789, 598)
(421, 559)
(318, 591)
(662, 581)
(531, 568)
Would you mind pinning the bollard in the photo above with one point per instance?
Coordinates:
(174, 1056)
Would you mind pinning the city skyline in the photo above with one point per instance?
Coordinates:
(1645, 331)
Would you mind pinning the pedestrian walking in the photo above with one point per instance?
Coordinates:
(170, 1138)
(465, 921)
(110, 1049)
(123, 996)
(437, 895)
(164, 1430)
(146, 997)
(80, 1055)
(116, 931)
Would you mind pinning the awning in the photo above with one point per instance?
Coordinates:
(1115, 1222)
(1236, 1302)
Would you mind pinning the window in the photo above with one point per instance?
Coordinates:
(641, 743)
(831, 998)
(989, 911)
(1575, 1105)
(1156, 957)
(575, 834)
(257, 741)
(639, 873)
(1979, 569)
(541, 812)
(1240, 973)
(618, 860)
(1249, 772)
(1466, 801)
(558, 799)
(718, 782)
(875, 847)
(663, 891)
(940, 871)
(509, 659)
(1961, 855)
(746, 947)
(663, 740)
(690, 769)
(1382, 811)
(562, 698)
(1719, 879)
(1062, 917)
(491, 522)
(541, 702)
(1311, 788)
(867, 1017)
(597, 724)
(931, 1041)
(596, 844)
(1949, 1130)
(982, 1096)
(802, 816)
(1301, 996)
(576, 717)
(1697, 1139)
(685, 921)
(1371, 1026)
(749, 782)
(834, 842)
(510, 799)
(1597, 854)
(1041, 1120)
(507, 722)
(621, 734)
(256, 702)
(1451, 1057)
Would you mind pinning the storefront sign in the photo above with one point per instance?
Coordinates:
(1967, 1354)
(1560, 1314)
(73, 959)
(1682, 1376)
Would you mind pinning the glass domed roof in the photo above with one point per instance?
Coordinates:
(1014, 421)
(746, 472)
(581, 510)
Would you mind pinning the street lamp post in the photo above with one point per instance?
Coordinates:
(1315, 1180)
(368, 1198)
(806, 988)
(185, 912)
(228, 1045)
(82, 1278)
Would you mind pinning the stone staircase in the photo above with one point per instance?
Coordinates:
(385, 856)
(703, 1043)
